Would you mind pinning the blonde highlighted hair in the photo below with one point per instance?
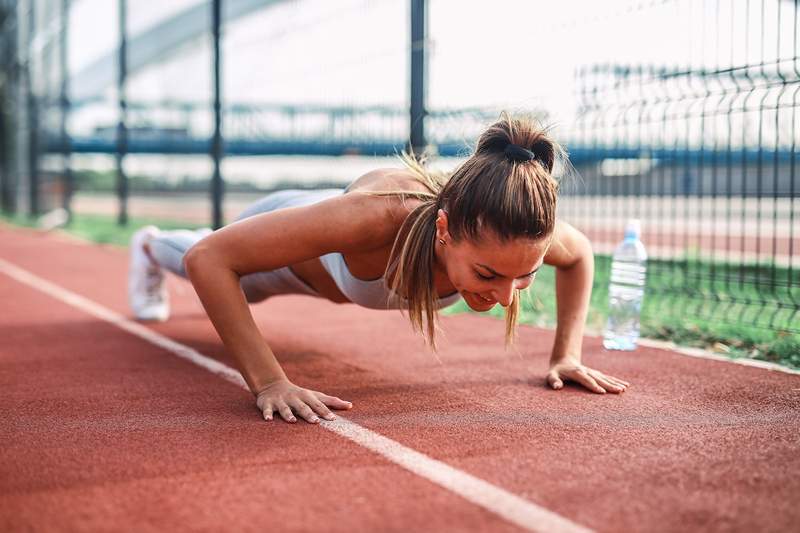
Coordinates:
(488, 191)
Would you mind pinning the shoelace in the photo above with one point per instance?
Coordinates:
(152, 285)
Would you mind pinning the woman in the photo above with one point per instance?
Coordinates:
(394, 239)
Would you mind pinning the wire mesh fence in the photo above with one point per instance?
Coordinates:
(704, 153)
(697, 139)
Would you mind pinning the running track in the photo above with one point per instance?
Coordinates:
(102, 429)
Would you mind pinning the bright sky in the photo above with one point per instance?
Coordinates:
(507, 52)
(513, 54)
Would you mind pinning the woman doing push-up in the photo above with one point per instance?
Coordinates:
(403, 238)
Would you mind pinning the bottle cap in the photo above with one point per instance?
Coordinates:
(633, 229)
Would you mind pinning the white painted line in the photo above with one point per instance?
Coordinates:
(505, 504)
(704, 354)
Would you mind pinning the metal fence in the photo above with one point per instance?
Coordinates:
(711, 165)
(701, 147)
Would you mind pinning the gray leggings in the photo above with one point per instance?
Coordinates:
(169, 247)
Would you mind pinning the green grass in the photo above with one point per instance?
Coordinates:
(102, 228)
(691, 303)
(683, 316)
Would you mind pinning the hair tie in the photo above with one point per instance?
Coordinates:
(515, 152)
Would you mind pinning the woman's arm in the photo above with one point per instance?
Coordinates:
(571, 254)
(573, 290)
(268, 241)
(218, 288)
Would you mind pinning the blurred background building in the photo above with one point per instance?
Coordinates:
(681, 113)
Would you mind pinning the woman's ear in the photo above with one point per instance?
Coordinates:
(441, 225)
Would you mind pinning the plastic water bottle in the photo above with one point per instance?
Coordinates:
(626, 291)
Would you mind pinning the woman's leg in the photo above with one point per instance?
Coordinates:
(167, 248)
(147, 291)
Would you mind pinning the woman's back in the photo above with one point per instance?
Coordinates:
(358, 275)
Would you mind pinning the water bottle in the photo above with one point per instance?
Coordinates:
(626, 290)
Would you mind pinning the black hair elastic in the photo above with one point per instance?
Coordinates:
(517, 153)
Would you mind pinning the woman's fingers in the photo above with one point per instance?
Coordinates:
(302, 409)
(266, 410)
(612, 379)
(594, 380)
(554, 381)
(289, 399)
(588, 381)
(620, 381)
(320, 408)
(610, 382)
(333, 401)
(285, 411)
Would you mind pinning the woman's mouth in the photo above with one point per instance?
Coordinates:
(486, 300)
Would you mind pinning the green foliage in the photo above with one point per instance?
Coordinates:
(701, 312)
(102, 228)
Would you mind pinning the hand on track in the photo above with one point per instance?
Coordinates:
(287, 398)
(570, 370)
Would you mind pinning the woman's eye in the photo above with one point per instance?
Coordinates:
(481, 276)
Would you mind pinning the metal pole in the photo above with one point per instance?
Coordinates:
(418, 45)
(7, 52)
(122, 132)
(13, 142)
(33, 126)
(66, 144)
(217, 186)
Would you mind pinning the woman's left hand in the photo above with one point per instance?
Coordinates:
(568, 369)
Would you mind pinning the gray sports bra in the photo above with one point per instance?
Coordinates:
(370, 293)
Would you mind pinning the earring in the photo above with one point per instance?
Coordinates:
(441, 241)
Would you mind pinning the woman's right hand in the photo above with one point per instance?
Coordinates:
(285, 397)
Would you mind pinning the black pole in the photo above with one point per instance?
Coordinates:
(10, 115)
(6, 56)
(217, 186)
(66, 144)
(122, 131)
(33, 126)
(418, 45)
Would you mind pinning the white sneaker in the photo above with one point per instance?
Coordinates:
(147, 290)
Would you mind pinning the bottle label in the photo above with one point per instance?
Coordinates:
(628, 273)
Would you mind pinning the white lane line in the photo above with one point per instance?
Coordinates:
(705, 354)
(505, 504)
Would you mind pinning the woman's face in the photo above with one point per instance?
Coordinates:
(487, 272)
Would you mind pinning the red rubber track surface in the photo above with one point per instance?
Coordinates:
(102, 430)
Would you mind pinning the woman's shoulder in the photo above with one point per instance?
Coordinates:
(383, 180)
(388, 212)
(387, 179)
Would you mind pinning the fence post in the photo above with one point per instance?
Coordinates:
(32, 116)
(66, 145)
(122, 131)
(216, 143)
(419, 36)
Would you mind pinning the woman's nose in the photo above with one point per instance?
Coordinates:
(505, 293)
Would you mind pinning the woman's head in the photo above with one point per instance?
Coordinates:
(496, 213)
(488, 226)
(488, 269)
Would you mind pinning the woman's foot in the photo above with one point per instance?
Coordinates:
(147, 290)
